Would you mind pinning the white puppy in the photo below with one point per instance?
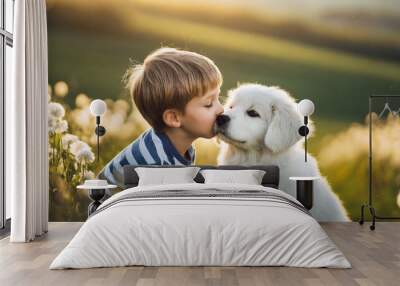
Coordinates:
(260, 127)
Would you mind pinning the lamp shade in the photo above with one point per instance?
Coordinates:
(306, 107)
(98, 107)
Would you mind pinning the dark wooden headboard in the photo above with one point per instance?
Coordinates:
(270, 179)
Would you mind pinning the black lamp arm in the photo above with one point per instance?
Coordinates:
(100, 131)
(303, 131)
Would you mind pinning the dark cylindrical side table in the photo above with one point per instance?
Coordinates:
(95, 195)
(96, 190)
(304, 190)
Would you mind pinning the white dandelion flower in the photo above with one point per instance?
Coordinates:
(85, 155)
(52, 124)
(56, 110)
(61, 126)
(68, 139)
(77, 146)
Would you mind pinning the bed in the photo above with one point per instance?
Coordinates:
(201, 224)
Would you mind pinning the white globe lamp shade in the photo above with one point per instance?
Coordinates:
(306, 107)
(98, 107)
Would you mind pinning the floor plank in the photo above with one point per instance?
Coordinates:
(374, 255)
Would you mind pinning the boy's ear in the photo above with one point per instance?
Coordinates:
(172, 118)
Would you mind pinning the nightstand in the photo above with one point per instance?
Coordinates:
(96, 191)
(304, 190)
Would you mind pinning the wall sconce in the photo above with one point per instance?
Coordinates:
(306, 108)
(98, 107)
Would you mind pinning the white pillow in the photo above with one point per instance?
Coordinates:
(249, 177)
(162, 176)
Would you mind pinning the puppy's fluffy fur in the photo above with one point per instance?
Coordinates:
(263, 129)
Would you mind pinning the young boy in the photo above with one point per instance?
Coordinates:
(177, 93)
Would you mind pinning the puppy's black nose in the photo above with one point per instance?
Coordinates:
(222, 120)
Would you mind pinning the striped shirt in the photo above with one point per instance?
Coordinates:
(150, 148)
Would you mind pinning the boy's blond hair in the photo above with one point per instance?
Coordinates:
(169, 78)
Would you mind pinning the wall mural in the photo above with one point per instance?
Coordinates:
(336, 55)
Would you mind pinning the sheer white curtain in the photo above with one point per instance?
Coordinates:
(27, 149)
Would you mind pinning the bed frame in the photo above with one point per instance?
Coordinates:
(270, 179)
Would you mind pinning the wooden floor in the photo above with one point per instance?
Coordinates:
(374, 255)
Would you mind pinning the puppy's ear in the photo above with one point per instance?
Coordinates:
(283, 129)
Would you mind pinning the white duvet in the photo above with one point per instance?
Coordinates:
(183, 231)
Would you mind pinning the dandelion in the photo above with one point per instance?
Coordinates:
(52, 124)
(61, 88)
(56, 110)
(78, 146)
(68, 139)
(85, 155)
(61, 126)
